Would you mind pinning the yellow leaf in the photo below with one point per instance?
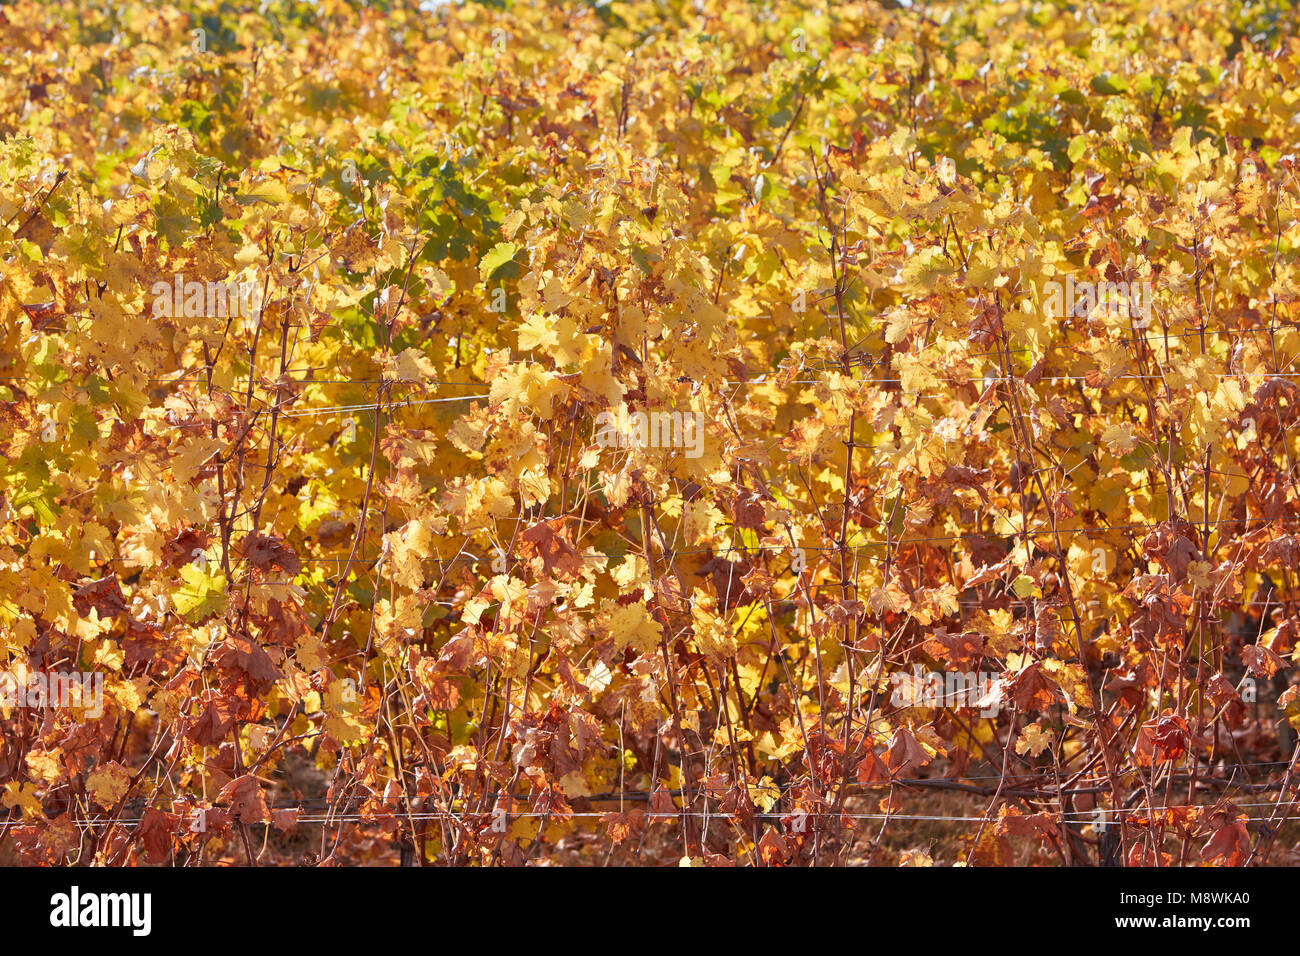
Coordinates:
(631, 626)
(23, 795)
(1119, 439)
(411, 365)
(713, 635)
(574, 784)
(108, 784)
(1033, 740)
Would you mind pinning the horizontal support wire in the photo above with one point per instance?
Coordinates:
(1081, 816)
(896, 544)
(782, 790)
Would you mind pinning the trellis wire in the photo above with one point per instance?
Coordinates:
(560, 816)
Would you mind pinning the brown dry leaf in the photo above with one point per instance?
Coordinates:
(548, 542)
(247, 803)
(267, 551)
(215, 722)
(285, 818)
(961, 649)
(104, 595)
(1229, 843)
(773, 850)
(872, 770)
(1012, 822)
(1261, 661)
(155, 833)
(905, 752)
(243, 657)
(1033, 690)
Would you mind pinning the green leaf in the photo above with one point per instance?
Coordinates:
(201, 594)
(1024, 587)
(500, 254)
(1108, 84)
(271, 192)
(1078, 146)
(42, 501)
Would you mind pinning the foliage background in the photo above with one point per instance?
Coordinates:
(358, 574)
